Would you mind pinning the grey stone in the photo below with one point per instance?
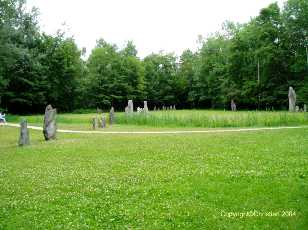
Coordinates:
(126, 109)
(94, 123)
(305, 108)
(174, 107)
(111, 116)
(292, 99)
(139, 110)
(296, 108)
(233, 105)
(103, 121)
(154, 108)
(50, 124)
(145, 107)
(24, 138)
(130, 106)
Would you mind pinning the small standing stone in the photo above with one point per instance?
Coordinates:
(130, 106)
(233, 105)
(174, 107)
(145, 107)
(154, 108)
(50, 124)
(126, 110)
(95, 123)
(103, 121)
(305, 108)
(292, 99)
(24, 138)
(296, 108)
(111, 116)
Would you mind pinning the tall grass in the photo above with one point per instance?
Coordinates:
(186, 118)
(213, 119)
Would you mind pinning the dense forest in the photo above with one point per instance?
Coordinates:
(252, 63)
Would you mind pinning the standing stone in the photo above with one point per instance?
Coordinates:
(296, 108)
(305, 108)
(111, 116)
(154, 108)
(130, 106)
(233, 105)
(164, 108)
(145, 107)
(292, 99)
(103, 121)
(50, 124)
(95, 123)
(126, 109)
(24, 138)
(174, 107)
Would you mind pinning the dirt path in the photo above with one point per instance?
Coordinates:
(163, 132)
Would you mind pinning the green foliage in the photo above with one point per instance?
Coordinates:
(253, 64)
(114, 76)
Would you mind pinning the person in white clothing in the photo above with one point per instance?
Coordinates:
(2, 118)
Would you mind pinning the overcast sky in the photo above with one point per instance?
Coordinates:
(153, 25)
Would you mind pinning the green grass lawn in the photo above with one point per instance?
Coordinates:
(155, 181)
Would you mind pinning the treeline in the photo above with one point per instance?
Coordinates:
(253, 63)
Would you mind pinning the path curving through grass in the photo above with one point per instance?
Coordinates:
(162, 132)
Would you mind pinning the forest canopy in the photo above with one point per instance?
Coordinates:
(252, 63)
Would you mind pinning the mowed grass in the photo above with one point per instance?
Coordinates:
(182, 119)
(154, 181)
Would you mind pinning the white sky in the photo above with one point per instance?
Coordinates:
(153, 25)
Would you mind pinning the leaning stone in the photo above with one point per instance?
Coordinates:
(24, 138)
(50, 124)
(111, 116)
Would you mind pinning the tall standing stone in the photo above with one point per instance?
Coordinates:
(233, 105)
(111, 116)
(305, 108)
(292, 99)
(145, 107)
(130, 106)
(24, 138)
(50, 124)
